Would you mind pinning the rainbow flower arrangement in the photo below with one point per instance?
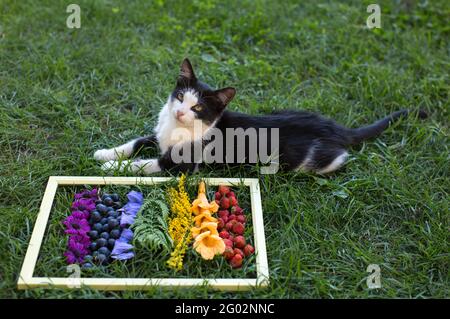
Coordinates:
(101, 229)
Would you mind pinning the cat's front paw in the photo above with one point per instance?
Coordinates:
(105, 155)
(114, 166)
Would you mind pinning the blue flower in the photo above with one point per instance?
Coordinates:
(126, 236)
(122, 248)
(122, 251)
(129, 211)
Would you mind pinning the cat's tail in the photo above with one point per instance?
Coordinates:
(357, 135)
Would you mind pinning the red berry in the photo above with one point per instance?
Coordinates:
(224, 234)
(238, 210)
(236, 261)
(231, 194)
(229, 225)
(217, 196)
(223, 214)
(237, 251)
(228, 242)
(228, 253)
(233, 201)
(239, 241)
(241, 219)
(225, 203)
(248, 250)
(231, 217)
(220, 224)
(238, 228)
(223, 189)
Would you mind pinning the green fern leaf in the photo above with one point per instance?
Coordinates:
(150, 226)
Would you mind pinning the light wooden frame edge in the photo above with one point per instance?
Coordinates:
(27, 281)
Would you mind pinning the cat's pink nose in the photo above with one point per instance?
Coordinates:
(179, 114)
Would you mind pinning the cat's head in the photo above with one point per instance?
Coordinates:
(192, 99)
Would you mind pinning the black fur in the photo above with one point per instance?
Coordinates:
(166, 162)
(298, 132)
(363, 133)
(144, 142)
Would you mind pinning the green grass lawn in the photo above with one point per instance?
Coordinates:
(66, 92)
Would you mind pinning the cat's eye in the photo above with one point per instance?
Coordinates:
(197, 107)
(180, 96)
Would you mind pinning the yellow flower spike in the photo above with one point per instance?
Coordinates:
(180, 223)
(208, 245)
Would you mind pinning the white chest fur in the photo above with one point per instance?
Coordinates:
(169, 131)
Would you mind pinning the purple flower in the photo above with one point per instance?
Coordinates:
(71, 258)
(82, 239)
(84, 205)
(93, 194)
(78, 248)
(76, 251)
(129, 211)
(80, 215)
(78, 225)
(74, 232)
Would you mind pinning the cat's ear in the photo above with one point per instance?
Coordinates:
(225, 95)
(186, 71)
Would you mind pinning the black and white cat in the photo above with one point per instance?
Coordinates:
(306, 141)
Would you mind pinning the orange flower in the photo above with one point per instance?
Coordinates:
(208, 245)
(201, 204)
(207, 241)
(204, 218)
(211, 226)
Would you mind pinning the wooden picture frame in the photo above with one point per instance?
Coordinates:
(27, 281)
